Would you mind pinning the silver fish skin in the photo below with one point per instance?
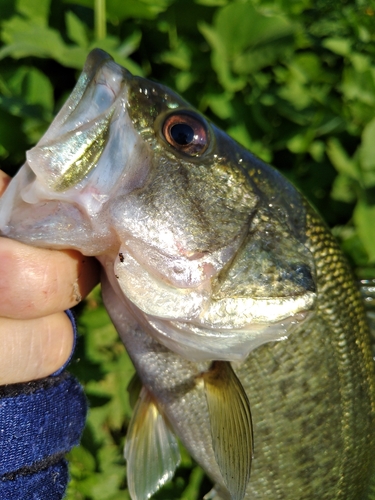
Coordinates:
(233, 300)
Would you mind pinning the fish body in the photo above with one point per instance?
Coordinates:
(232, 298)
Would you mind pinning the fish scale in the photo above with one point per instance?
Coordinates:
(355, 367)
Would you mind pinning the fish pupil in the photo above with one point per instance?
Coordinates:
(182, 134)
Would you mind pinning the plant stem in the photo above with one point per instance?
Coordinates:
(100, 19)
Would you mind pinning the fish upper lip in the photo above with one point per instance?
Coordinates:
(98, 63)
(111, 76)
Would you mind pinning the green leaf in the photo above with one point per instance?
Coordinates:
(82, 461)
(39, 90)
(296, 93)
(146, 9)
(367, 148)
(301, 143)
(359, 86)
(260, 57)
(212, 3)
(341, 161)
(102, 335)
(343, 189)
(35, 10)
(240, 133)
(351, 244)
(9, 129)
(240, 26)
(316, 150)
(24, 38)
(360, 62)
(341, 46)
(119, 10)
(243, 41)
(130, 44)
(364, 217)
(180, 57)
(76, 30)
(184, 80)
(220, 104)
(220, 60)
(191, 492)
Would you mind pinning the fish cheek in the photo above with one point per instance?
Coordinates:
(272, 262)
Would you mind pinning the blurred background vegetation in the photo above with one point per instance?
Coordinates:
(292, 80)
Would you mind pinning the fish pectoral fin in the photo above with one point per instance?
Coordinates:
(216, 494)
(151, 449)
(134, 390)
(231, 426)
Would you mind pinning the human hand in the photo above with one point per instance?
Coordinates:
(36, 286)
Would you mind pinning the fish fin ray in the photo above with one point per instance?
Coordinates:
(151, 449)
(216, 494)
(231, 426)
(134, 389)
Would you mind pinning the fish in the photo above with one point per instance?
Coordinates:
(234, 301)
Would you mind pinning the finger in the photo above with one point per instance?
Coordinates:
(58, 279)
(34, 348)
(4, 181)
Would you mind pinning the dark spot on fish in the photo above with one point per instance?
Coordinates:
(301, 276)
(304, 278)
(121, 257)
(117, 276)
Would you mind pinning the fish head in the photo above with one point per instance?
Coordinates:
(205, 243)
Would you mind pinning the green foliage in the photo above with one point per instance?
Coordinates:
(292, 80)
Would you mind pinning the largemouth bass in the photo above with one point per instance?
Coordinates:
(232, 298)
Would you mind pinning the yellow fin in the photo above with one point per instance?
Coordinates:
(134, 389)
(231, 426)
(216, 494)
(151, 449)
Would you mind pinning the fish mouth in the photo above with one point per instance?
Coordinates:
(81, 157)
(100, 84)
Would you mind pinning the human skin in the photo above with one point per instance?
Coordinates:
(36, 287)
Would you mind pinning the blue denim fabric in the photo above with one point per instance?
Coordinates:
(40, 421)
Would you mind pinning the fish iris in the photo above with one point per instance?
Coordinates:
(186, 132)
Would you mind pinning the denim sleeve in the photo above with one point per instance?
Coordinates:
(40, 422)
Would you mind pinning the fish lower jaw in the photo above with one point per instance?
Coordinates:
(199, 343)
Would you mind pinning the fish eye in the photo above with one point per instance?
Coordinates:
(186, 132)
